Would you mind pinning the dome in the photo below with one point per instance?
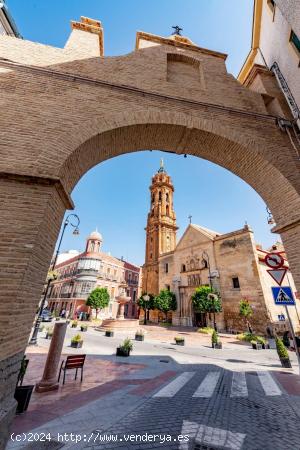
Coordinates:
(95, 235)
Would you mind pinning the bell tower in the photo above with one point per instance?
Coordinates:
(161, 228)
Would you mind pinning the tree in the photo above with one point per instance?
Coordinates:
(146, 305)
(165, 301)
(98, 299)
(206, 300)
(246, 312)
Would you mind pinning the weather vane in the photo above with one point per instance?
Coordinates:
(177, 30)
(190, 218)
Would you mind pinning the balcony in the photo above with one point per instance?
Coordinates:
(93, 272)
(132, 282)
(66, 295)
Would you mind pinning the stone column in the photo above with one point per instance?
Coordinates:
(49, 379)
(120, 315)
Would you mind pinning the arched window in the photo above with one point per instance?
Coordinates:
(167, 210)
(153, 198)
(204, 264)
(92, 246)
(183, 268)
(159, 196)
(167, 196)
(192, 264)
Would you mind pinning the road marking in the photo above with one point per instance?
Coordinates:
(172, 388)
(239, 385)
(208, 436)
(268, 384)
(208, 385)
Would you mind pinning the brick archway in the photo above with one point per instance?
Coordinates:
(67, 110)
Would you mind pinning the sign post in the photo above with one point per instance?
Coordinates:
(293, 335)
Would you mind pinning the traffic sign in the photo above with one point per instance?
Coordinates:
(274, 260)
(283, 295)
(281, 317)
(277, 275)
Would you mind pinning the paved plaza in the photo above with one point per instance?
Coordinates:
(164, 396)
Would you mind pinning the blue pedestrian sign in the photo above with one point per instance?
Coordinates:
(283, 295)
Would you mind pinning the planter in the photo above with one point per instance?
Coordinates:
(217, 345)
(109, 333)
(179, 343)
(257, 346)
(73, 326)
(48, 336)
(139, 337)
(83, 329)
(266, 346)
(122, 352)
(22, 395)
(57, 319)
(286, 363)
(76, 344)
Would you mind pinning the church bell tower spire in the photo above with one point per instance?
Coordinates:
(161, 228)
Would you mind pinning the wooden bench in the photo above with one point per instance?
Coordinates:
(72, 362)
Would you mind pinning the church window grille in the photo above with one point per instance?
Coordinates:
(159, 196)
(236, 283)
(167, 197)
(183, 268)
(166, 267)
(167, 210)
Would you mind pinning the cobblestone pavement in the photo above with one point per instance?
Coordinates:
(232, 399)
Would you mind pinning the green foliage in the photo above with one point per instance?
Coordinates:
(246, 310)
(247, 337)
(214, 337)
(143, 304)
(204, 302)
(74, 323)
(77, 338)
(281, 350)
(126, 345)
(98, 299)
(206, 330)
(165, 301)
(261, 340)
(165, 324)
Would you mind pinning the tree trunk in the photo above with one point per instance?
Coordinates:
(96, 313)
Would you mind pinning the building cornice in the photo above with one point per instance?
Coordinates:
(256, 28)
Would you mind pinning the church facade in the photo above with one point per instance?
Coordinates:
(232, 264)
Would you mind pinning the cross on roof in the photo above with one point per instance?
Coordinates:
(177, 30)
(190, 218)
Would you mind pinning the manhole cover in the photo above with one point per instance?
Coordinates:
(44, 445)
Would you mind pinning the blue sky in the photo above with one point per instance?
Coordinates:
(114, 195)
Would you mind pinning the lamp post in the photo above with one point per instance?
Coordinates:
(69, 221)
(205, 258)
(146, 299)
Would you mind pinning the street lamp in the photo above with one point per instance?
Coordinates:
(70, 219)
(212, 296)
(146, 299)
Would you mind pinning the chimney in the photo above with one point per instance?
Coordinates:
(86, 38)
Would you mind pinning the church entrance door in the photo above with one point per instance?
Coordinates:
(200, 320)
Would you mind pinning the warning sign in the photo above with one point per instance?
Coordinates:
(283, 295)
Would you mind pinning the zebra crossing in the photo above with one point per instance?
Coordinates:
(208, 385)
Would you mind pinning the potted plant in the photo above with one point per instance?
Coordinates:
(49, 332)
(283, 354)
(179, 340)
(215, 343)
(109, 333)
(264, 343)
(77, 341)
(41, 328)
(139, 335)
(23, 393)
(256, 345)
(83, 327)
(125, 348)
(74, 324)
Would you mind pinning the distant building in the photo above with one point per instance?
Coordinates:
(232, 263)
(7, 24)
(79, 273)
(275, 46)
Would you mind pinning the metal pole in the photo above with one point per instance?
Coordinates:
(33, 340)
(293, 335)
